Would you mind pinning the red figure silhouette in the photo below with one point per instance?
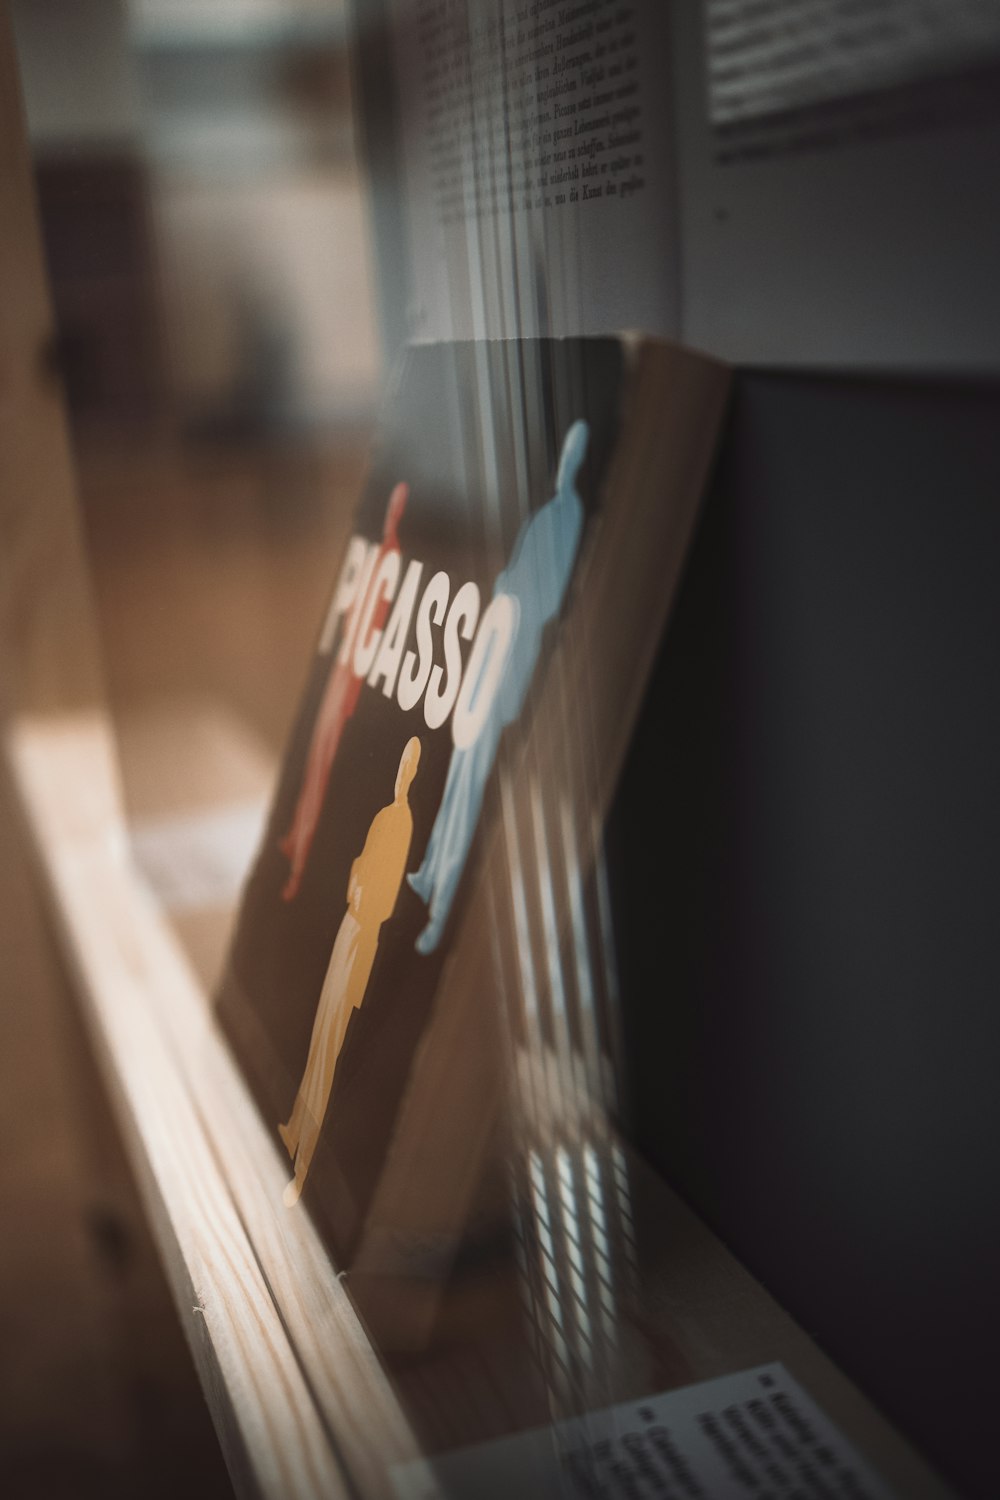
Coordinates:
(339, 701)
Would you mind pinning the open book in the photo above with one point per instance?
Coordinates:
(793, 182)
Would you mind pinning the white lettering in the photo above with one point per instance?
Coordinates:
(346, 591)
(461, 621)
(484, 670)
(363, 580)
(390, 652)
(383, 586)
(432, 607)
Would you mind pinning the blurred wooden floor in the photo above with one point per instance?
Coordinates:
(213, 565)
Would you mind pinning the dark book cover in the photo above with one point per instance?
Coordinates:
(490, 628)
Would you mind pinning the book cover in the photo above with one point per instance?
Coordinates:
(490, 629)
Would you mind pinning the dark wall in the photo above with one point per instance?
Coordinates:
(810, 961)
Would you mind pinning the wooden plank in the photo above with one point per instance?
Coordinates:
(273, 1438)
(88, 1319)
(302, 1403)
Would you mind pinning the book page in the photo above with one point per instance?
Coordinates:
(538, 175)
(752, 1434)
(836, 171)
(769, 55)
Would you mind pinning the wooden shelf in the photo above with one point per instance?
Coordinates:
(300, 1401)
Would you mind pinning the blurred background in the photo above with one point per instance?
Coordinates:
(206, 245)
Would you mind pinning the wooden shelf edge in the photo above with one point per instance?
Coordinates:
(299, 1399)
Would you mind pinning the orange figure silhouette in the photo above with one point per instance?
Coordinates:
(339, 701)
(376, 876)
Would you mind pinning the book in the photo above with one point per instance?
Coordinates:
(795, 185)
(422, 924)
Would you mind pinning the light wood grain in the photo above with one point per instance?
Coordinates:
(273, 1436)
(302, 1399)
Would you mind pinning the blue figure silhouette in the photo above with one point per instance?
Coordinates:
(535, 580)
